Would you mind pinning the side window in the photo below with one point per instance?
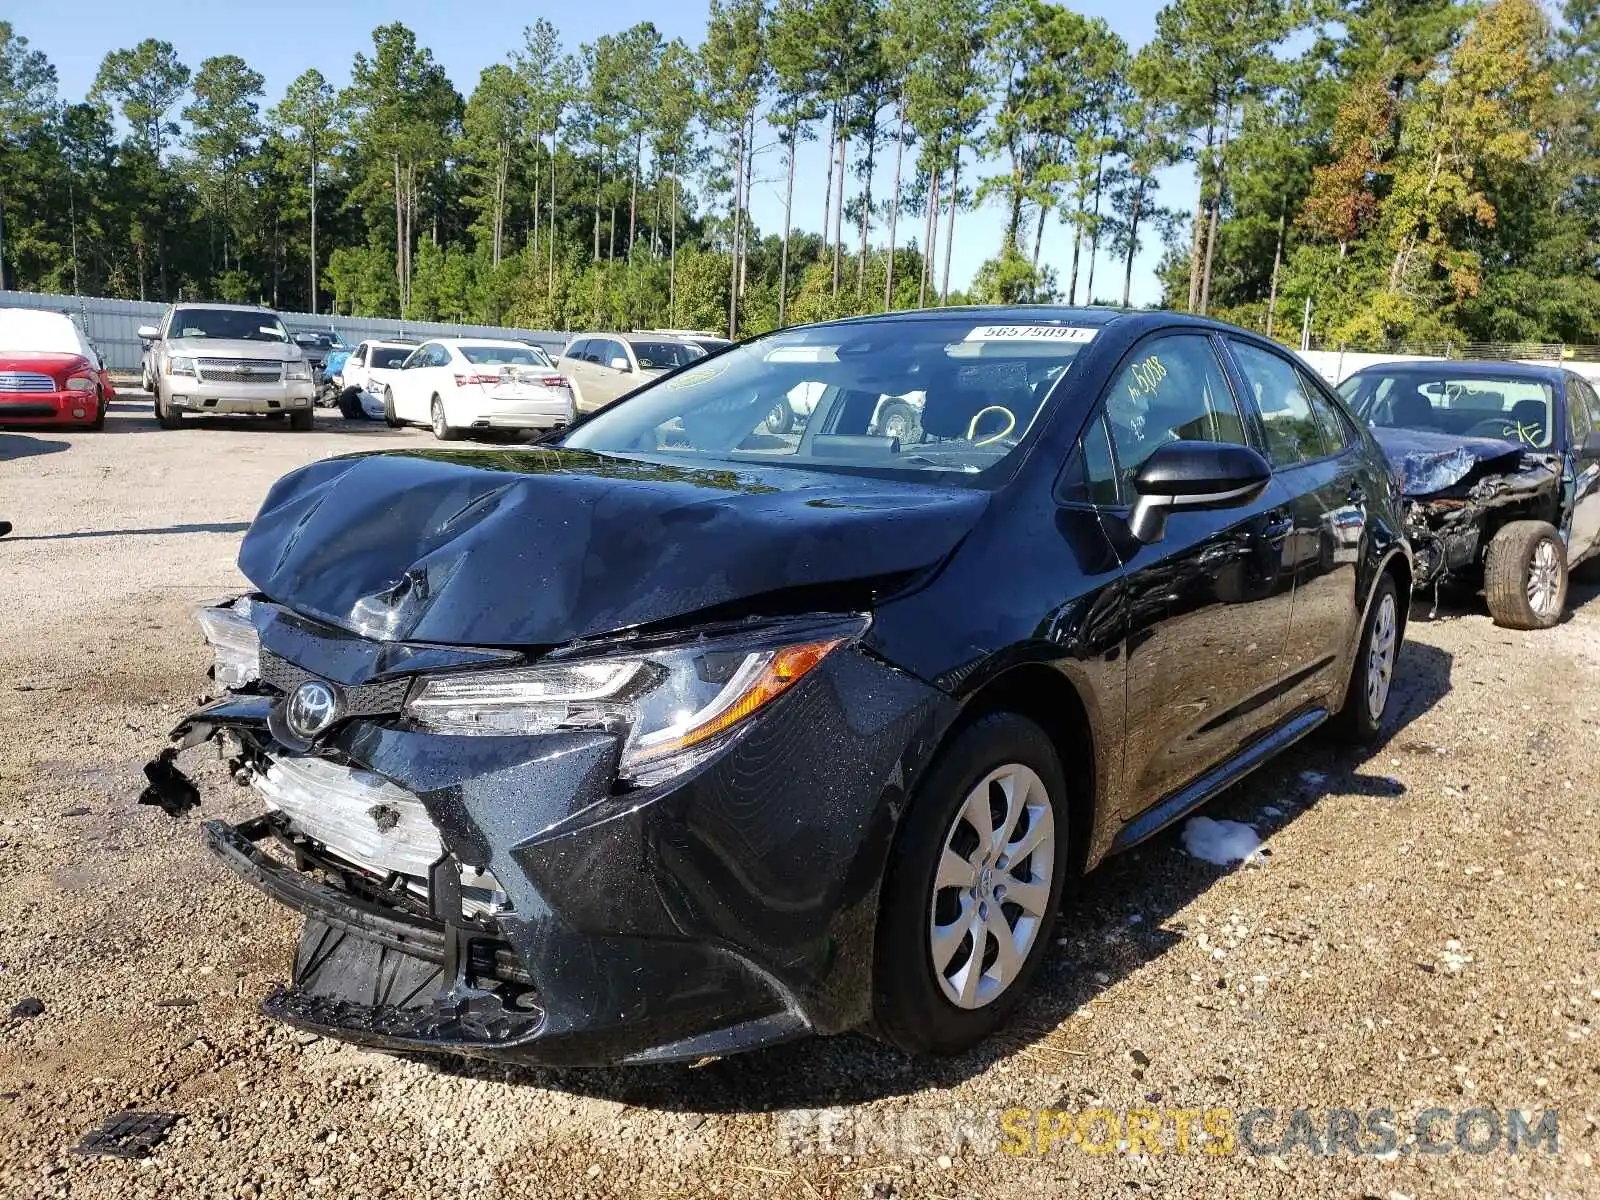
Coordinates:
(610, 350)
(1335, 428)
(1173, 390)
(1293, 432)
(1091, 474)
(1583, 409)
(575, 350)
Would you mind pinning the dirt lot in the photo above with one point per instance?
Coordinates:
(1422, 932)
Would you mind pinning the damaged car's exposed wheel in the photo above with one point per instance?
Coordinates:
(972, 887)
(1525, 575)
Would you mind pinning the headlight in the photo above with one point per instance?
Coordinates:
(672, 704)
(234, 643)
(297, 370)
(80, 383)
(177, 365)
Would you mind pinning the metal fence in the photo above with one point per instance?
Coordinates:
(113, 325)
(1555, 352)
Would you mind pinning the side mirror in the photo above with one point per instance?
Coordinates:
(620, 364)
(148, 333)
(1193, 475)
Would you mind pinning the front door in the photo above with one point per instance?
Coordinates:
(1208, 605)
(1583, 422)
(1317, 462)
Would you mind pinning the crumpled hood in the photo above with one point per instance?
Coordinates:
(540, 546)
(1432, 462)
(232, 348)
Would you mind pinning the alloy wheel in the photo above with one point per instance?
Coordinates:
(1544, 579)
(1380, 655)
(438, 420)
(992, 888)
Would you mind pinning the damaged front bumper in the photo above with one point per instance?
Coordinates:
(506, 897)
(1457, 490)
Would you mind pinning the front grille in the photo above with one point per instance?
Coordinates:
(361, 700)
(240, 370)
(26, 381)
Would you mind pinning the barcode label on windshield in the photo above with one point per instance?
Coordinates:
(1031, 333)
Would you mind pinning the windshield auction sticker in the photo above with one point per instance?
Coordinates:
(1031, 333)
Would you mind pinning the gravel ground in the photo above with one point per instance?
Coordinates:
(1421, 931)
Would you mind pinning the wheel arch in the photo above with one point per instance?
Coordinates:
(1051, 700)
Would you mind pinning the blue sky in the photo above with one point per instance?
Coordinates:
(284, 38)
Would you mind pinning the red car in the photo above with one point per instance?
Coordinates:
(50, 374)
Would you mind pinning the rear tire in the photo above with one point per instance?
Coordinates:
(944, 875)
(442, 429)
(1525, 575)
(302, 420)
(1366, 699)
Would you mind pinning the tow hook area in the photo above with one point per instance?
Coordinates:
(170, 790)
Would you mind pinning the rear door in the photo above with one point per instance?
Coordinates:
(1208, 606)
(410, 385)
(1583, 424)
(1319, 467)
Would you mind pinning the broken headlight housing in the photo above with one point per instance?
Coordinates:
(672, 702)
(235, 644)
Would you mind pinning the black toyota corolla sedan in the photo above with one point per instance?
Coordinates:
(671, 736)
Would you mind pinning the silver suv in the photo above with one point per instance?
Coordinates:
(226, 358)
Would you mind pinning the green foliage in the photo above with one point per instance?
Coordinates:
(1416, 169)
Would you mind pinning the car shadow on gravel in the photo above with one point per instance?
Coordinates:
(1123, 917)
(20, 445)
(158, 531)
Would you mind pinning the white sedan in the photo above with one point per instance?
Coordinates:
(456, 385)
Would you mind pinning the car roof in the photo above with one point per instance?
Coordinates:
(1476, 368)
(249, 308)
(390, 343)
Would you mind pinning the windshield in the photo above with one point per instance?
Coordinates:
(664, 356)
(1516, 409)
(321, 341)
(499, 356)
(951, 396)
(386, 356)
(232, 324)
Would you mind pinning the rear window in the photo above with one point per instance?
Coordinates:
(501, 356)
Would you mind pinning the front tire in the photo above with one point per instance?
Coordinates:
(350, 405)
(972, 887)
(166, 416)
(1525, 575)
(1366, 699)
(302, 420)
(442, 429)
(389, 417)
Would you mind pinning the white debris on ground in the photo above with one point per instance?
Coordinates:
(1452, 957)
(1220, 842)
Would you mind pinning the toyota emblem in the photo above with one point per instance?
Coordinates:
(311, 709)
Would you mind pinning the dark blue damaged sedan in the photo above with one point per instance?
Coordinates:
(786, 695)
